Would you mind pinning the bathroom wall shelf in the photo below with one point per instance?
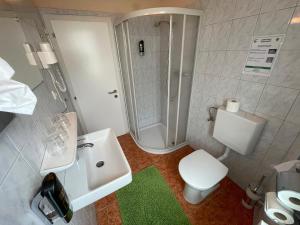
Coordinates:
(58, 163)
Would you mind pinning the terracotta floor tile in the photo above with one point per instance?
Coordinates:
(104, 202)
(222, 207)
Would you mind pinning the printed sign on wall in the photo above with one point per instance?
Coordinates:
(262, 55)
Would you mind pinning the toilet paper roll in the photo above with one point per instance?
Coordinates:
(277, 212)
(288, 188)
(290, 199)
(233, 105)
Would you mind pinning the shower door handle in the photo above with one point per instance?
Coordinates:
(112, 92)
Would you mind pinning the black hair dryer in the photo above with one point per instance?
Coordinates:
(51, 201)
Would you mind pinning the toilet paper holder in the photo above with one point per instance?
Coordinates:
(212, 111)
(288, 189)
(288, 180)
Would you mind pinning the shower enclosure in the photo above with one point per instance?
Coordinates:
(157, 52)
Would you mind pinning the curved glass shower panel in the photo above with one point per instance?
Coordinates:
(146, 73)
(174, 72)
(188, 59)
(121, 36)
(164, 28)
(157, 53)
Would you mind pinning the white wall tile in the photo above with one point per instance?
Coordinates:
(201, 64)
(241, 33)
(271, 128)
(283, 141)
(209, 16)
(214, 62)
(269, 5)
(205, 38)
(215, 37)
(219, 36)
(249, 93)
(276, 101)
(286, 71)
(246, 8)
(8, 155)
(254, 78)
(227, 88)
(275, 22)
(223, 10)
(234, 63)
(294, 151)
(17, 191)
(292, 39)
(286, 136)
(294, 114)
(210, 84)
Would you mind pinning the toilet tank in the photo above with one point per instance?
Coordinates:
(239, 131)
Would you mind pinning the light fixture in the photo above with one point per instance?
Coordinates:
(295, 20)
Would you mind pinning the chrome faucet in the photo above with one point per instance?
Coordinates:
(84, 145)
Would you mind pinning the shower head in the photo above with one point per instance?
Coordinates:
(158, 23)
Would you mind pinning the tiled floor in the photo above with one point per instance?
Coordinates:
(222, 207)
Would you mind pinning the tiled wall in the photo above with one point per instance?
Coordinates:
(146, 69)
(22, 150)
(21, 153)
(225, 36)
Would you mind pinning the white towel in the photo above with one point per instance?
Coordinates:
(16, 97)
(6, 71)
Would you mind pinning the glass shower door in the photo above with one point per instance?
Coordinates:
(185, 86)
(174, 75)
(122, 36)
(183, 31)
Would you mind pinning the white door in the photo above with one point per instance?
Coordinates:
(89, 56)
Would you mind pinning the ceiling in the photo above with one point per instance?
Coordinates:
(114, 6)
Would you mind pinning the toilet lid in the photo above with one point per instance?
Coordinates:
(201, 170)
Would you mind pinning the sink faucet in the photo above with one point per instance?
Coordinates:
(80, 146)
(84, 145)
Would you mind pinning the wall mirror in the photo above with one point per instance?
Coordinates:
(11, 50)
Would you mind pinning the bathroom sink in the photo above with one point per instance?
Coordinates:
(100, 169)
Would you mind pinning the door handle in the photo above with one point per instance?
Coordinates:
(112, 92)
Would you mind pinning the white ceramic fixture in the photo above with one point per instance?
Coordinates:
(57, 163)
(85, 182)
(239, 131)
(201, 171)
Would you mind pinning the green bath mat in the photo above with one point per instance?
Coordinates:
(149, 200)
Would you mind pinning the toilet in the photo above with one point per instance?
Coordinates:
(201, 171)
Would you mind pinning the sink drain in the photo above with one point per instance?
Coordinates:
(100, 163)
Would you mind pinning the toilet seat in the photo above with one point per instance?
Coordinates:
(201, 170)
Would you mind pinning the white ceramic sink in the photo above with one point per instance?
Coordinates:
(86, 183)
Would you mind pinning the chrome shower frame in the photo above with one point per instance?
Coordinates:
(123, 21)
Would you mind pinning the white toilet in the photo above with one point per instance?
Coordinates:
(201, 171)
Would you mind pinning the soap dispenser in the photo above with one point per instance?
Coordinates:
(51, 201)
(141, 48)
